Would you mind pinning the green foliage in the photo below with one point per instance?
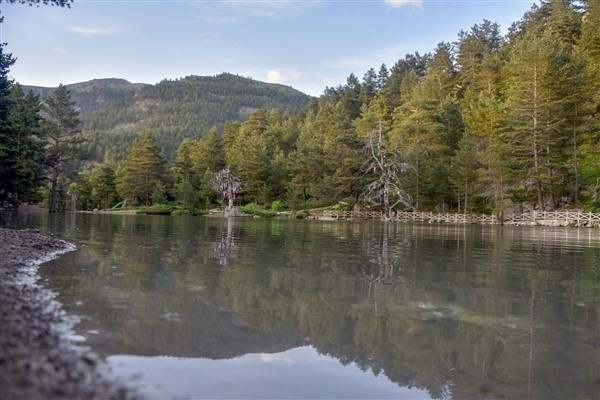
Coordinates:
(61, 129)
(156, 209)
(143, 169)
(159, 193)
(255, 209)
(186, 195)
(481, 124)
(173, 109)
(21, 147)
(278, 206)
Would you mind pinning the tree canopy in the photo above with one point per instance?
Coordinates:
(487, 123)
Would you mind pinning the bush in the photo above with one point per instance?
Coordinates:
(302, 214)
(156, 209)
(279, 205)
(255, 209)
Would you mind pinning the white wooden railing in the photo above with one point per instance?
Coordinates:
(552, 218)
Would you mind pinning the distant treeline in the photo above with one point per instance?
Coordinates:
(478, 125)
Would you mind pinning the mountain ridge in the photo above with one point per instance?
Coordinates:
(172, 110)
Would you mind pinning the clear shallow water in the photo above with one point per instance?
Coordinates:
(252, 308)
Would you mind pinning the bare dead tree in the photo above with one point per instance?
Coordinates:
(388, 164)
(225, 183)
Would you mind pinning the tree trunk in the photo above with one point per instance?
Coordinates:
(575, 160)
(466, 197)
(53, 190)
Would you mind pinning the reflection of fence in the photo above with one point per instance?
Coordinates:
(547, 218)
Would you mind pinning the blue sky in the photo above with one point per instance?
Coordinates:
(306, 44)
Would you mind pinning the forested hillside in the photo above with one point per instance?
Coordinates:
(94, 95)
(114, 112)
(484, 123)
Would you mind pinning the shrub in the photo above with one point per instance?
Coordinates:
(156, 209)
(255, 209)
(278, 205)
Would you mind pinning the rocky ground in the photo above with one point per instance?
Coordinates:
(37, 360)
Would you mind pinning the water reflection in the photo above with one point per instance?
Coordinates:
(226, 246)
(299, 373)
(457, 311)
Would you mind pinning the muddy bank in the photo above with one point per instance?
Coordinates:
(37, 360)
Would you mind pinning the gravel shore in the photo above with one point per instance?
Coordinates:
(37, 360)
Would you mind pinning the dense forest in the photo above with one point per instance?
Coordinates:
(114, 112)
(486, 123)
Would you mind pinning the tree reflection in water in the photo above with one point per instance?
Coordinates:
(227, 245)
(465, 312)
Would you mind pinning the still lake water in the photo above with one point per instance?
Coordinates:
(198, 307)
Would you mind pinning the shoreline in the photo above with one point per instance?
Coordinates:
(38, 360)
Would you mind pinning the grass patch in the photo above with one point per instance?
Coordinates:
(156, 209)
(255, 209)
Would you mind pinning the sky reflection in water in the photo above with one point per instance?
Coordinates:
(298, 373)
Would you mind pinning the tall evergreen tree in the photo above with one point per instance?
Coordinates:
(61, 129)
(142, 170)
(103, 180)
(533, 83)
(21, 167)
(208, 154)
(463, 172)
(590, 136)
(476, 49)
(486, 121)
(249, 157)
(306, 161)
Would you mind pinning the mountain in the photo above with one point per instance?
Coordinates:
(115, 111)
(94, 95)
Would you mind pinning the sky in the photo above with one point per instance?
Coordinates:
(306, 44)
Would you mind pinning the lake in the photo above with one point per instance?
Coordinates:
(200, 307)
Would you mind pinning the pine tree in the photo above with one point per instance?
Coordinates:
(534, 81)
(103, 180)
(306, 162)
(486, 121)
(21, 167)
(208, 154)
(463, 172)
(590, 134)
(142, 170)
(61, 129)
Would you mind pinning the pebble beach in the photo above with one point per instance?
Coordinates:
(37, 358)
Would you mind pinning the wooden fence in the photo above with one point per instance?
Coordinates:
(546, 218)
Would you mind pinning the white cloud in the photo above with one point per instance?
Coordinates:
(278, 357)
(288, 77)
(414, 4)
(92, 31)
(274, 76)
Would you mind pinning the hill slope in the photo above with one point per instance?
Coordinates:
(94, 95)
(114, 111)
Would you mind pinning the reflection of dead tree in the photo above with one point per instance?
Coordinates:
(385, 274)
(389, 166)
(227, 245)
(225, 183)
